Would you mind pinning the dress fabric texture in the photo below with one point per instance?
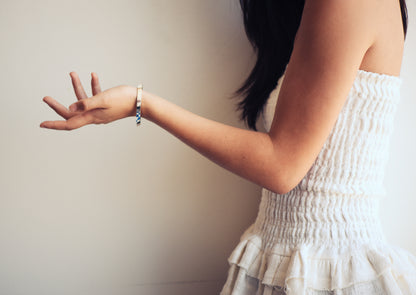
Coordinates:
(325, 236)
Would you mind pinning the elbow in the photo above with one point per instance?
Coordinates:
(283, 183)
(282, 171)
(284, 188)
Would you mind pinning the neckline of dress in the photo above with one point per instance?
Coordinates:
(393, 77)
(369, 73)
(376, 81)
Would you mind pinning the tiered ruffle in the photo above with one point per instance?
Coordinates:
(309, 269)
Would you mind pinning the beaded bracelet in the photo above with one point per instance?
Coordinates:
(139, 104)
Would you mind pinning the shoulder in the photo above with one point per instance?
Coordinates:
(352, 24)
(344, 8)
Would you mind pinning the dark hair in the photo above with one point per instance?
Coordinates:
(403, 8)
(271, 26)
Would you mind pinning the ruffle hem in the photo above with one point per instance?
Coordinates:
(311, 269)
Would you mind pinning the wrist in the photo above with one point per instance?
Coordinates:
(148, 101)
(146, 105)
(131, 93)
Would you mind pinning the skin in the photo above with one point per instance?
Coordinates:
(334, 40)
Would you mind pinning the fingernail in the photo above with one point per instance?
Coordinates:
(73, 108)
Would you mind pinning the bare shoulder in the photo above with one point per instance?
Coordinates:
(386, 54)
(332, 41)
(377, 24)
(352, 24)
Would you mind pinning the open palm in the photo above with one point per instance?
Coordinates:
(103, 107)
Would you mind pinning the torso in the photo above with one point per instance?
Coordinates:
(385, 55)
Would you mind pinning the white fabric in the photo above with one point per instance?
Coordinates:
(324, 236)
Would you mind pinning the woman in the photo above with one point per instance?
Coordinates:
(335, 69)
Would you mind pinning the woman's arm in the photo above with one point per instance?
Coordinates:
(244, 152)
(331, 42)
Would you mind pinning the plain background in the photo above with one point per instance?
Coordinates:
(116, 209)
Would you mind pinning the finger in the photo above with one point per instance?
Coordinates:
(87, 104)
(71, 124)
(95, 84)
(58, 108)
(78, 89)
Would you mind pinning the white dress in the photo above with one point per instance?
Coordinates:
(324, 236)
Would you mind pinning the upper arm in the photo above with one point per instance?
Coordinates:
(331, 42)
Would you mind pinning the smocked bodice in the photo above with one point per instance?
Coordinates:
(336, 203)
(353, 158)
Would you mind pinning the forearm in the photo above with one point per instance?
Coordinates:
(249, 154)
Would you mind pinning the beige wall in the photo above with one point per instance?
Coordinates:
(123, 210)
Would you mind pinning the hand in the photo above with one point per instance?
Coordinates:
(103, 107)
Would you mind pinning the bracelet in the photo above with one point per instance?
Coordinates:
(139, 104)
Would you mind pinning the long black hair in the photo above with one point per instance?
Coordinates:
(271, 26)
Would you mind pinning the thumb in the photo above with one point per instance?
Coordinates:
(85, 104)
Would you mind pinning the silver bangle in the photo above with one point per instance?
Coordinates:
(139, 104)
